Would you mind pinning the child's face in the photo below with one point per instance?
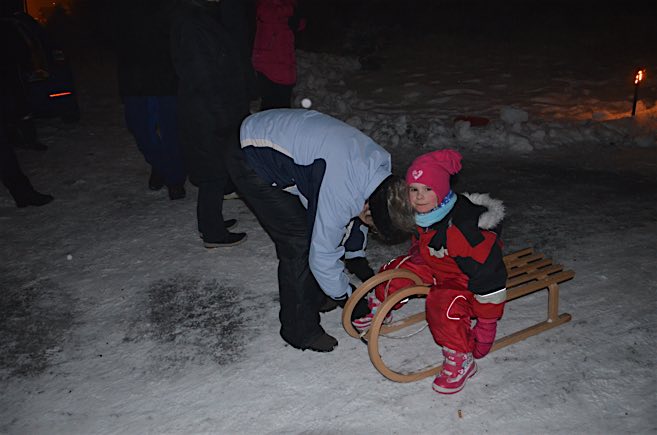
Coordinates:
(422, 197)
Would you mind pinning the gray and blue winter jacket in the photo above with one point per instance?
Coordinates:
(331, 166)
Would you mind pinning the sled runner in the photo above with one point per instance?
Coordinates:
(528, 272)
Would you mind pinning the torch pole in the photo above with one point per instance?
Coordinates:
(638, 78)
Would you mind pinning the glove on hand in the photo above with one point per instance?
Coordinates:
(329, 304)
(484, 335)
(360, 310)
(360, 267)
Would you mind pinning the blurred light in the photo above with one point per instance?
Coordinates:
(640, 75)
(60, 94)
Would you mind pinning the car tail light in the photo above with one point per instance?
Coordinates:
(60, 94)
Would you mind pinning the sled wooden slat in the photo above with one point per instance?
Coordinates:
(528, 272)
(536, 274)
(522, 261)
(531, 287)
(514, 255)
(513, 272)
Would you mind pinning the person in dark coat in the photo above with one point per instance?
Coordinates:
(12, 176)
(213, 98)
(148, 88)
(17, 59)
(12, 111)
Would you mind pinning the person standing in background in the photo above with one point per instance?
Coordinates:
(274, 57)
(213, 99)
(148, 87)
(238, 17)
(13, 106)
(12, 176)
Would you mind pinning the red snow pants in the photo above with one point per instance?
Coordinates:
(385, 289)
(450, 313)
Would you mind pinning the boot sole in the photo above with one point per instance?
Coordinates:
(314, 349)
(228, 224)
(442, 390)
(211, 245)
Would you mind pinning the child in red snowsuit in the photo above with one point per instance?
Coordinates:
(457, 250)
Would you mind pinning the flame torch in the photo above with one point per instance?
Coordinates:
(638, 78)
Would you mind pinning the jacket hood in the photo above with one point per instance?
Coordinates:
(494, 213)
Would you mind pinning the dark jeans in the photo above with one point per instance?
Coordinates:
(153, 121)
(285, 220)
(209, 208)
(274, 96)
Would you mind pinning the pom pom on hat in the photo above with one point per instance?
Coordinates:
(434, 170)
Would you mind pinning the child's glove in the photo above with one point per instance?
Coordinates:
(484, 335)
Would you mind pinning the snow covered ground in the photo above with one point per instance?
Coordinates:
(116, 320)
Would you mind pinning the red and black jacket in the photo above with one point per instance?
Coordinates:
(464, 249)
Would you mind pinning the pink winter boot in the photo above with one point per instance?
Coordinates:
(364, 322)
(457, 368)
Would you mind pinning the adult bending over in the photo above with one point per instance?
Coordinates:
(306, 175)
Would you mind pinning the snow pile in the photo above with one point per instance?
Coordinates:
(513, 129)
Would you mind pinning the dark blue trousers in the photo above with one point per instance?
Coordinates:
(153, 121)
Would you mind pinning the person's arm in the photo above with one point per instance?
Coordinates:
(355, 244)
(326, 250)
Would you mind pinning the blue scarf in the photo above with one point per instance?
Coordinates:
(429, 218)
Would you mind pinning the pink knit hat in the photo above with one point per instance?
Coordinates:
(434, 169)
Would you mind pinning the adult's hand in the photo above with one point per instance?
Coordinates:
(360, 267)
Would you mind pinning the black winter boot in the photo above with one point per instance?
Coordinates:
(155, 181)
(323, 343)
(23, 193)
(176, 192)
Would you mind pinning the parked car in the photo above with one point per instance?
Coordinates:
(45, 76)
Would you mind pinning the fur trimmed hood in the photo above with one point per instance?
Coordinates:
(495, 209)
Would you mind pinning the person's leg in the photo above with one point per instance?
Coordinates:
(274, 95)
(230, 191)
(299, 292)
(170, 163)
(14, 179)
(282, 96)
(26, 134)
(449, 315)
(141, 123)
(209, 216)
(210, 200)
(285, 220)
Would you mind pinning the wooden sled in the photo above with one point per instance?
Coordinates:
(528, 272)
